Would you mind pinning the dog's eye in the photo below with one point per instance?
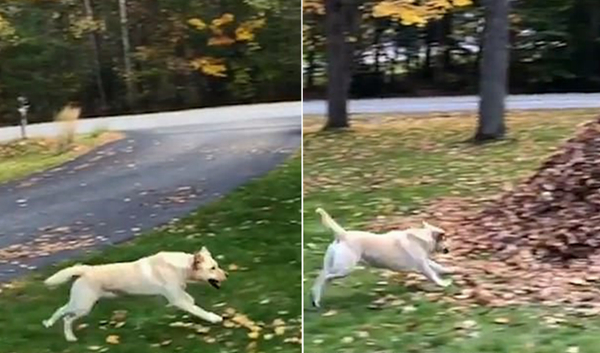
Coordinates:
(214, 268)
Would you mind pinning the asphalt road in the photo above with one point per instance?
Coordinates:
(145, 180)
(463, 103)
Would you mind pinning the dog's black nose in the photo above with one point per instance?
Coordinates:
(446, 251)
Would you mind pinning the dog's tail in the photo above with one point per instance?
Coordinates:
(66, 274)
(340, 233)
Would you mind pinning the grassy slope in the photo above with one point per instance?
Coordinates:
(21, 158)
(394, 168)
(256, 228)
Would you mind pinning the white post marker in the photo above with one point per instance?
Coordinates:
(23, 109)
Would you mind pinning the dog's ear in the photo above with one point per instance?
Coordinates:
(416, 239)
(436, 233)
(198, 259)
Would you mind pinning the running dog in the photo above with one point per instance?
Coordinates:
(165, 274)
(399, 250)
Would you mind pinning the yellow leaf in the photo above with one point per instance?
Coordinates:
(197, 23)
(245, 32)
(113, 339)
(459, 3)
(410, 12)
(223, 20)
(209, 66)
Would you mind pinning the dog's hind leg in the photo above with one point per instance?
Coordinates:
(339, 262)
(317, 289)
(428, 272)
(57, 315)
(83, 298)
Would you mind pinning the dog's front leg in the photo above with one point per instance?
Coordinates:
(428, 272)
(439, 268)
(185, 302)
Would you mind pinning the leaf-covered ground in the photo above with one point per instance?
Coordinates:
(255, 235)
(386, 169)
(23, 157)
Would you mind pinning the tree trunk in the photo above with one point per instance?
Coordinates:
(95, 44)
(127, 53)
(446, 41)
(377, 46)
(311, 59)
(493, 71)
(594, 26)
(337, 67)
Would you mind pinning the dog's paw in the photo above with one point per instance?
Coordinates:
(315, 304)
(46, 323)
(445, 283)
(71, 338)
(214, 318)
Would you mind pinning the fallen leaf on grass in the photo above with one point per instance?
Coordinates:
(348, 339)
(166, 342)
(229, 312)
(180, 324)
(295, 340)
(329, 313)
(467, 324)
(279, 330)
(201, 329)
(228, 324)
(362, 334)
(502, 320)
(113, 339)
(278, 322)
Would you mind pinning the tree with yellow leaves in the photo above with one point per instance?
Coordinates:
(338, 32)
(223, 33)
(7, 32)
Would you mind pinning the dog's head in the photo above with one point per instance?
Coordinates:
(205, 268)
(439, 238)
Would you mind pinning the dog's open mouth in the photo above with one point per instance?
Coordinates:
(213, 282)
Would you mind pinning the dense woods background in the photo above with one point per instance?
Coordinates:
(555, 46)
(122, 56)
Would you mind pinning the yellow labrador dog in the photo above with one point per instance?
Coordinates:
(399, 250)
(165, 273)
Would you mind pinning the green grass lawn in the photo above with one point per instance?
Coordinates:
(24, 157)
(386, 167)
(255, 235)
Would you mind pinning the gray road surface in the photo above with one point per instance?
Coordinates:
(156, 174)
(463, 103)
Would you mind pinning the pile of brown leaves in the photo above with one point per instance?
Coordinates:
(537, 243)
(556, 213)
